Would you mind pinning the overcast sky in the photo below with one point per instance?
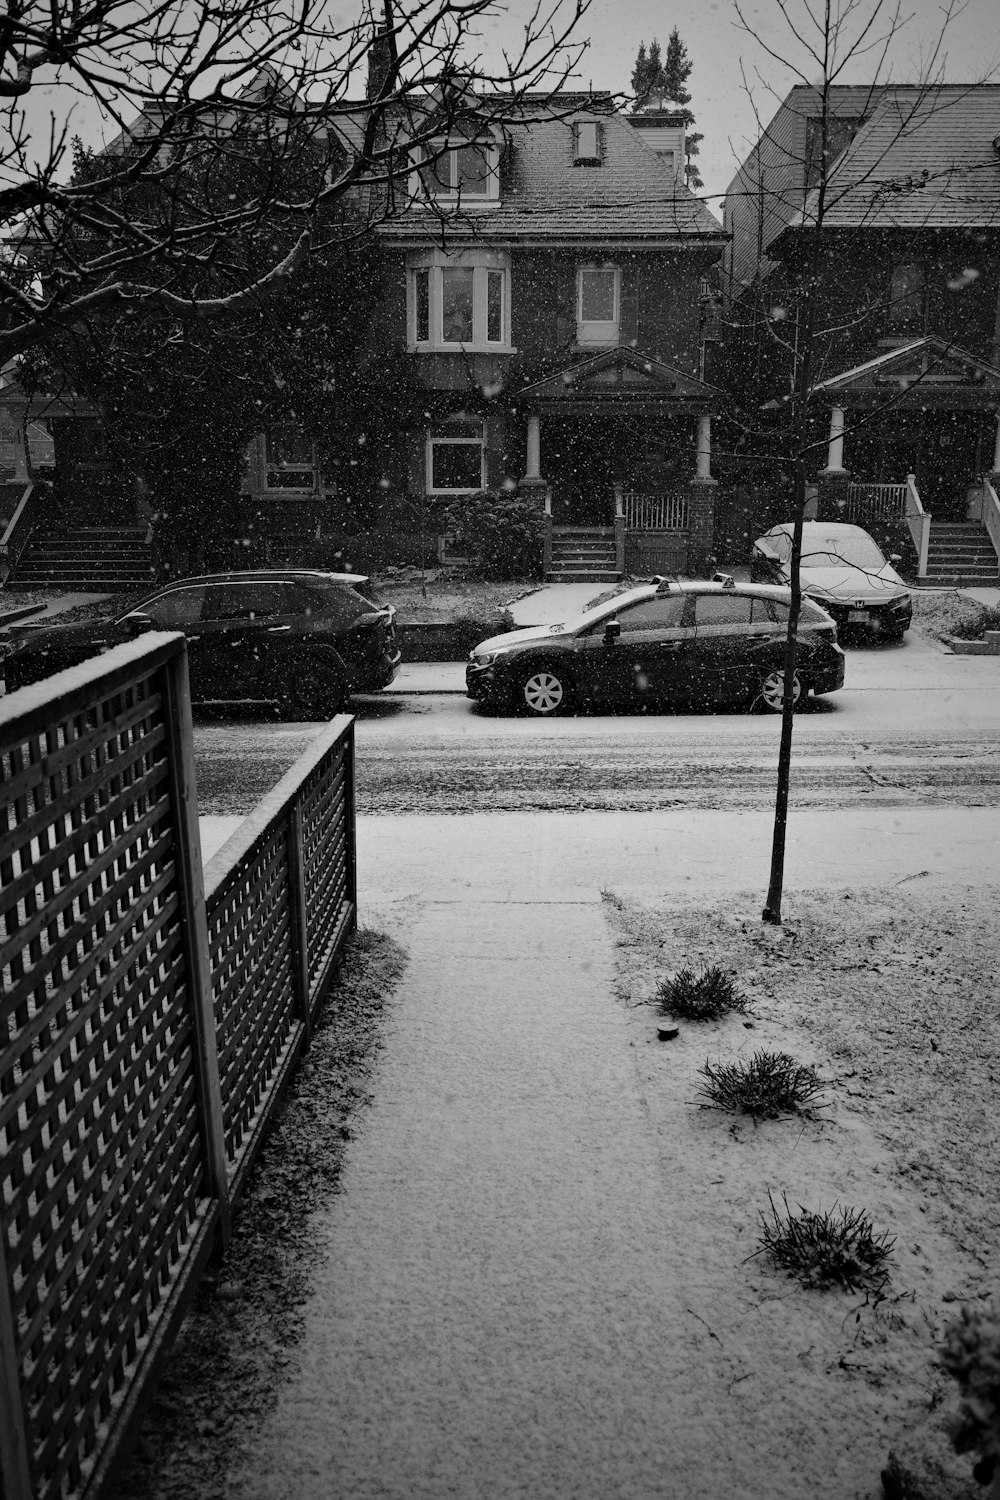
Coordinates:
(717, 48)
(720, 53)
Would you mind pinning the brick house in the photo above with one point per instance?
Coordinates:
(906, 365)
(548, 286)
(546, 277)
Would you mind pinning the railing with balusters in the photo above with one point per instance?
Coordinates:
(654, 512)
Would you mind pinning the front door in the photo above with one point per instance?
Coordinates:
(651, 660)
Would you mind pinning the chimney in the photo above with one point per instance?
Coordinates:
(379, 60)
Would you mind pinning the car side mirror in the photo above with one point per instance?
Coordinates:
(612, 631)
(137, 624)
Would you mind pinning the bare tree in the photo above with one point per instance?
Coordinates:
(788, 324)
(317, 112)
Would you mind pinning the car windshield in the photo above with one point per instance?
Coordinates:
(603, 611)
(836, 552)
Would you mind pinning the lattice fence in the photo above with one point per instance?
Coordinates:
(145, 1040)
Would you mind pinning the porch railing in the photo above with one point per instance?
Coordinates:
(991, 515)
(919, 523)
(875, 502)
(892, 502)
(17, 531)
(655, 512)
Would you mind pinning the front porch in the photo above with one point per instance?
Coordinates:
(911, 438)
(618, 454)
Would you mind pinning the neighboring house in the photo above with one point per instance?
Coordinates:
(550, 298)
(906, 356)
(550, 289)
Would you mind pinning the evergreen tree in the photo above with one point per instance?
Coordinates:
(669, 74)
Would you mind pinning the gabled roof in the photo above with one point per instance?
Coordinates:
(622, 377)
(925, 160)
(928, 366)
(632, 196)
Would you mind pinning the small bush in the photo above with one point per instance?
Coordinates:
(771, 1084)
(838, 1248)
(971, 1353)
(502, 531)
(975, 626)
(702, 997)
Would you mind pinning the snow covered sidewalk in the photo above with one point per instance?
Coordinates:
(498, 1308)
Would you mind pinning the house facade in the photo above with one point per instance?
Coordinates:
(547, 299)
(905, 377)
(546, 291)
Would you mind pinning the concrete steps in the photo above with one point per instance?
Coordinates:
(583, 554)
(88, 559)
(960, 554)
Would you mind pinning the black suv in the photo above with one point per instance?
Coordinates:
(664, 642)
(297, 641)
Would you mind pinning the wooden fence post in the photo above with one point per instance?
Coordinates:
(194, 927)
(352, 827)
(15, 1472)
(297, 918)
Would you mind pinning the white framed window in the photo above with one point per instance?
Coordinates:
(289, 460)
(456, 457)
(459, 301)
(598, 299)
(460, 171)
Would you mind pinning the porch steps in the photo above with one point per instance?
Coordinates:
(583, 554)
(960, 554)
(104, 560)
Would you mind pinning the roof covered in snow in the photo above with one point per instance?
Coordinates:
(926, 159)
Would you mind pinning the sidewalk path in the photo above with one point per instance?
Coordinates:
(500, 1284)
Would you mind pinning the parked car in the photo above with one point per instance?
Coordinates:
(293, 640)
(662, 643)
(843, 570)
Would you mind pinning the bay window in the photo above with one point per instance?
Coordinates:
(459, 301)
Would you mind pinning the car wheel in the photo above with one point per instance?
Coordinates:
(312, 686)
(545, 692)
(770, 693)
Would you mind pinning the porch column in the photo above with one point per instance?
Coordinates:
(704, 469)
(701, 504)
(533, 469)
(835, 451)
(996, 448)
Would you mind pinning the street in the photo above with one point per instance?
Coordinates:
(912, 727)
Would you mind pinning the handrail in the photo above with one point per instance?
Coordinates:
(991, 515)
(17, 532)
(919, 523)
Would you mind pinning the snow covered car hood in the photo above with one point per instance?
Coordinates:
(844, 582)
(518, 637)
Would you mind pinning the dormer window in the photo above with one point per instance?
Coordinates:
(586, 144)
(461, 171)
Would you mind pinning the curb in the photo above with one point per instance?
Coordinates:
(11, 616)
